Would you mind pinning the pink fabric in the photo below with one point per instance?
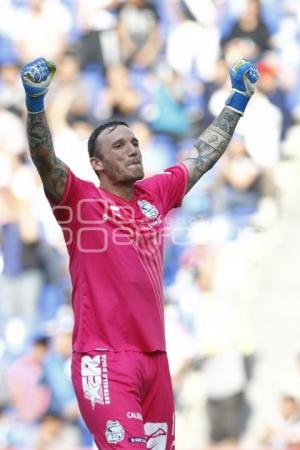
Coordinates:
(125, 398)
(116, 260)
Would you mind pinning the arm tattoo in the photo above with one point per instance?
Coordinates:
(211, 145)
(52, 170)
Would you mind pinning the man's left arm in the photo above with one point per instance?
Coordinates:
(213, 142)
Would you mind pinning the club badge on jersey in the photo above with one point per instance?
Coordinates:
(114, 432)
(150, 211)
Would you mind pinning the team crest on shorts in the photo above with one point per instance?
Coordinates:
(114, 431)
(147, 209)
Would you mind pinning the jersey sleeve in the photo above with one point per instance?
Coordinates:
(170, 186)
(75, 190)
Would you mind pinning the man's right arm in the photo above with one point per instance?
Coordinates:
(36, 78)
(52, 170)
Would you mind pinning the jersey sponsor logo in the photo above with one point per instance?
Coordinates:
(114, 432)
(114, 208)
(137, 440)
(134, 415)
(116, 211)
(147, 209)
(156, 435)
(94, 375)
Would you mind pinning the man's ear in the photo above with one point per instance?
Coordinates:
(96, 164)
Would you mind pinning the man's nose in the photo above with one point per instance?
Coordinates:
(132, 149)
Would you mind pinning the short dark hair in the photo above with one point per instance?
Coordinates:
(112, 125)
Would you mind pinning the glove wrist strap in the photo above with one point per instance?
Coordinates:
(35, 104)
(237, 101)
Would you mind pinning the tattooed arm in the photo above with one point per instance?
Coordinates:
(36, 78)
(52, 170)
(213, 142)
(211, 145)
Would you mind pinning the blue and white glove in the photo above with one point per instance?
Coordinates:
(243, 76)
(36, 77)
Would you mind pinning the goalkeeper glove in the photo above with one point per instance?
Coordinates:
(243, 76)
(36, 77)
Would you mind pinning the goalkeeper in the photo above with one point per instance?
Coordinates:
(113, 233)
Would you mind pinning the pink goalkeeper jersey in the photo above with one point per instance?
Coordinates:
(116, 260)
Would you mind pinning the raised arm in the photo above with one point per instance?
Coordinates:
(213, 142)
(36, 78)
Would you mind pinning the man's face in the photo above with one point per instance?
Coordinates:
(118, 155)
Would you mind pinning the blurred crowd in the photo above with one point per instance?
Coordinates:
(162, 66)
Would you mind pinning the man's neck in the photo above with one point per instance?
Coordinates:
(124, 190)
